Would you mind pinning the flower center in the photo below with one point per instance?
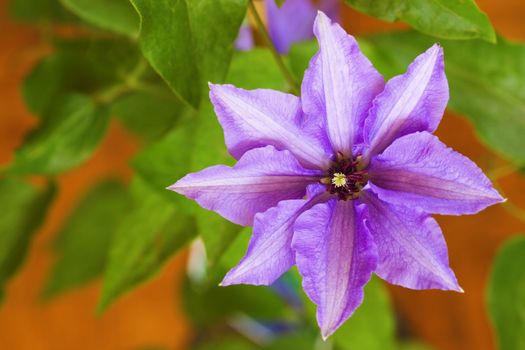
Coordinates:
(345, 178)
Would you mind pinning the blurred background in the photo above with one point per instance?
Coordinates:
(152, 316)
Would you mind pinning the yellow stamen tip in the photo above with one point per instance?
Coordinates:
(339, 180)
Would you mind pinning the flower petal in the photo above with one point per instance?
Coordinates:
(339, 84)
(336, 256)
(414, 101)
(290, 23)
(420, 171)
(270, 253)
(261, 178)
(411, 248)
(244, 41)
(261, 117)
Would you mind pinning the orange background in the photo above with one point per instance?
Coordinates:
(152, 315)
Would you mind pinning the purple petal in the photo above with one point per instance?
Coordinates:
(261, 178)
(291, 23)
(244, 41)
(336, 256)
(414, 101)
(411, 248)
(261, 117)
(270, 253)
(420, 171)
(339, 85)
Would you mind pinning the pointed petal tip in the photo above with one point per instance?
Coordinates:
(322, 18)
(327, 332)
(436, 50)
(175, 187)
(227, 280)
(495, 198)
(454, 286)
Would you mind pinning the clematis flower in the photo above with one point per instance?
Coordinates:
(290, 23)
(342, 181)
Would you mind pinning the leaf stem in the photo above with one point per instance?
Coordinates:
(130, 83)
(268, 41)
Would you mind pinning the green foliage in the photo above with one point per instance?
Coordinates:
(447, 19)
(226, 343)
(372, 326)
(66, 137)
(487, 83)
(86, 66)
(113, 15)
(506, 295)
(185, 53)
(83, 243)
(213, 305)
(255, 69)
(150, 232)
(42, 11)
(300, 55)
(147, 115)
(23, 209)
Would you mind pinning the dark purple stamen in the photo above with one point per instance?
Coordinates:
(345, 178)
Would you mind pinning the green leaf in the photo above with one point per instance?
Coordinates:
(39, 11)
(506, 295)
(297, 340)
(151, 232)
(447, 19)
(23, 208)
(113, 15)
(487, 84)
(255, 69)
(82, 244)
(184, 51)
(80, 66)
(372, 326)
(147, 115)
(300, 55)
(217, 234)
(66, 138)
(226, 343)
(214, 305)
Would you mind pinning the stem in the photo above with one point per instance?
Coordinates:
(278, 59)
(130, 83)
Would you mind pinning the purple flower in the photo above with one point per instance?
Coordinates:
(293, 22)
(289, 24)
(342, 181)
(244, 41)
